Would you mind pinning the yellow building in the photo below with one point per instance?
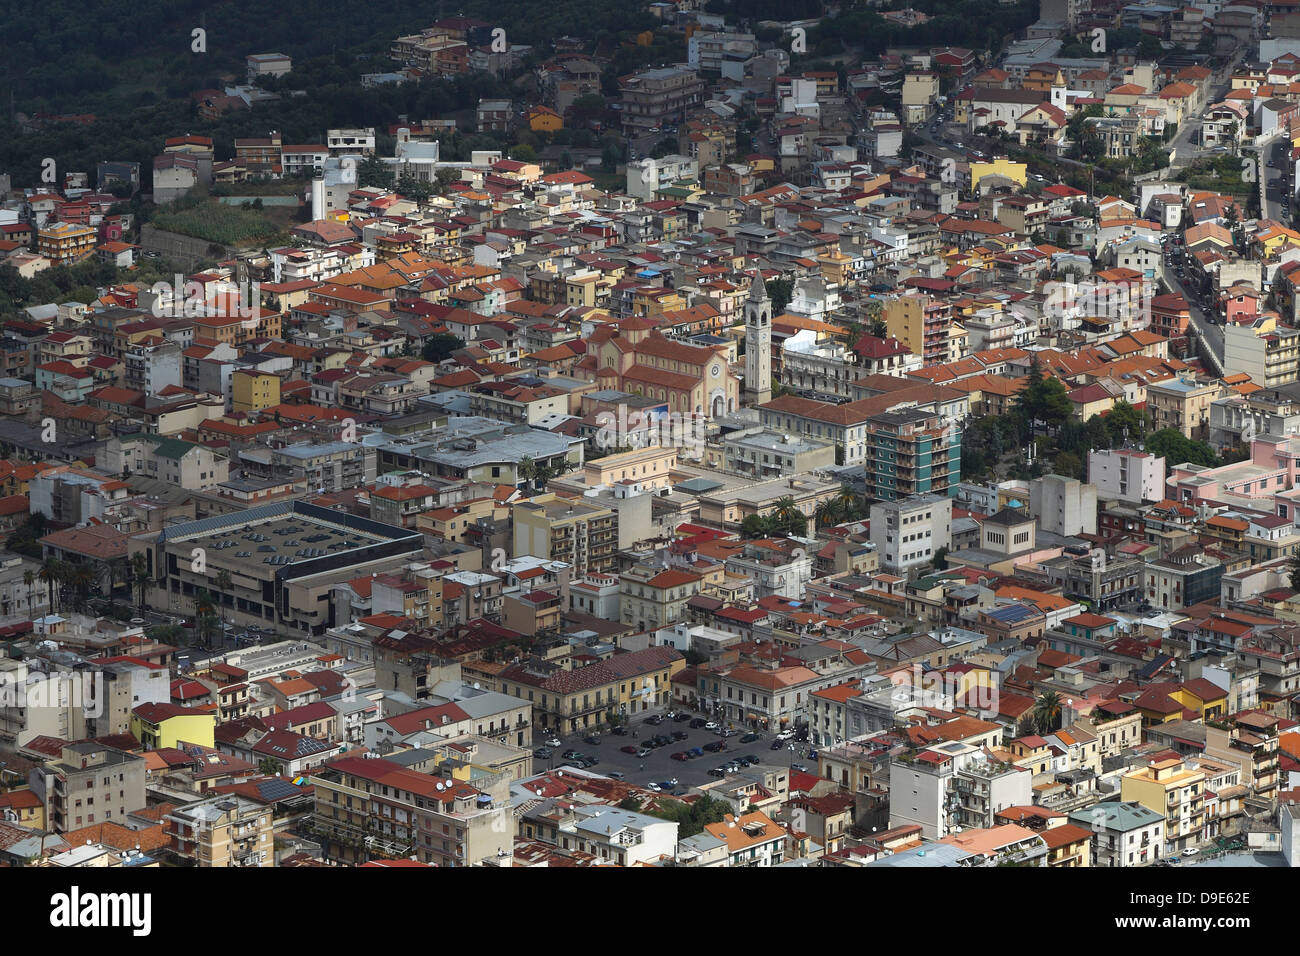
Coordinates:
(997, 167)
(566, 529)
(158, 726)
(542, 119)
(581, 697)
(1068, 845)
(251, 390)
(65, 243)
(26, 805)
(1169, 788)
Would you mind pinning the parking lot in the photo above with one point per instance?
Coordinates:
(659, 766)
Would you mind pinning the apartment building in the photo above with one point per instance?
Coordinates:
(1171, 789)
(659, 97)
(1183, 404)
(65, 243)
(224, 831)
(568, 698)
(566, 529)
(1123, 474)
(180, 463)
(650, 598)
(376, 809)
(1123, 834)
(92, 783)
(906, 533)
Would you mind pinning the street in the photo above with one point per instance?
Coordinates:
(658, 765)
(1205, 330)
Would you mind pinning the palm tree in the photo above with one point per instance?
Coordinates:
(828, 513)
(140, 575)
(49, 573)
(83, 575)
(786, 512)
(29, 578)
(114, 571)
(1047, 711)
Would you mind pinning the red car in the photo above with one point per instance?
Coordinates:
(629, 749)
(680, 756)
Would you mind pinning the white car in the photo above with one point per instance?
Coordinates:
(654, 788)
(711, 725)
(554, 742)
(1191, 851)
(785, 735)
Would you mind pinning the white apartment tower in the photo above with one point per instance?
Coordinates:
(758, 342)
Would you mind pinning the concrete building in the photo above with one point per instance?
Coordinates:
(1064, 506)
(92, 783)
(1172, 790)
(224, 831)
(566, 529)
(1126, 475)
(907, 533)
(180, 463)
(1124, 834)
(283, 560)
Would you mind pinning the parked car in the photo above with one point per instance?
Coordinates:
(680, 755)
(543, 753)
(630, 749)
(653, 787)
(717, 772)
(748, 738)
(681, 718)
(553, 742)
(615, 775)
(669, 783)
(591, 761)
(571, 754)
(749, 760)
(697, 723)
(654, 720)
(711, 725)
(798, 766)
(716, 747)
(696, 751)
(644, 752)
(593, 739)
(680, 735)
(777, 745)
(619, 731)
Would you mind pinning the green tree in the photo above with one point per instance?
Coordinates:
(139, 565)
(781, 291)
(372, 171)
(440, 346)
(1125, 423)
(1047, 712)
(1176, 448)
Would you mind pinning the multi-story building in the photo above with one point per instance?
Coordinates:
(923, 325)
(659, 97)
(651, 597)
(566, 529)
(1250, 741)
(1127, 475)
(573, 698)
(1271, 357)
(65, 243)
(223, 831)
(92, 783)
(1124, 834)
(180, 463)
(906, 533)
(1185, 577)
(1174, 791)
(381, 809)
(1184, 405)
(152, 365)
(282, 560)
(911, 452)
(774, 567)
